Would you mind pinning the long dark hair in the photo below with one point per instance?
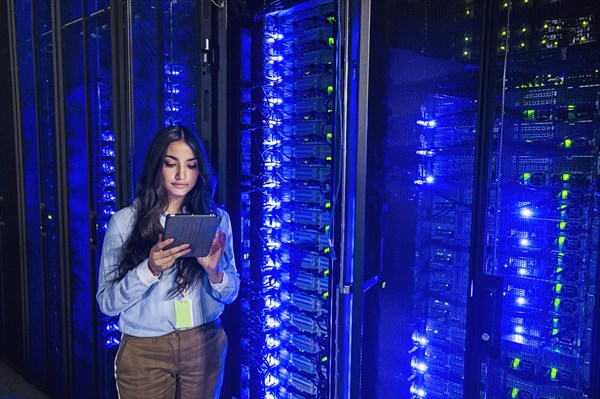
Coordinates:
(151, 200)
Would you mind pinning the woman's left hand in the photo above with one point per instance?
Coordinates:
(211, 262)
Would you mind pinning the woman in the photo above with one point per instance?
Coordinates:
(173, 344)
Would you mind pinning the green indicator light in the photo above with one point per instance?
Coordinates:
(568, 143)
(558, 288)
(561, 241)
(555, 331)
(558, 270)
(526, 176)
(556, 303)
(384, 284)
(562, 225)
(564, 194)
(555, 321)
(324, 359)
(329, 89)
(326, 295)
(331, 41)
(514, 392)
(328, 205)
(331, 19)
(515, 363)
(530, 114)
(326, 273)
(327, 228)
(329, 136)
(566, 176)
(50, 217)
(326, 250)
(570, 107)
(328, 158)
(553, 373)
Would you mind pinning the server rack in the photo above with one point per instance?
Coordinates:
(286, 164)
(486, 157)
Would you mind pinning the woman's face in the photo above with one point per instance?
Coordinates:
(179, 173)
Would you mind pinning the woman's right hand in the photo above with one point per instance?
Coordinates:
(161, 259)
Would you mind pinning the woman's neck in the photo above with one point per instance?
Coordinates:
(174, 207)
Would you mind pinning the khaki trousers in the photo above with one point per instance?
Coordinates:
(182, 364)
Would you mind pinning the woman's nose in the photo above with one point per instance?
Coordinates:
(180, 173)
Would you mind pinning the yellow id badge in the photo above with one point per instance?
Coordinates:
(183, 314)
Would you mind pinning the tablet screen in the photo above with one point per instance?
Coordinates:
(197, 230)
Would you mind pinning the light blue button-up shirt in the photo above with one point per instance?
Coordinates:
(141, 299)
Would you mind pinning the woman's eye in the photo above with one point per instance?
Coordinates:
(193, 166)
(169, 165)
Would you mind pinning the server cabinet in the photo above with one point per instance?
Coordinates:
(479, 247)
(62, 68)
(286, 122)
(542, 238)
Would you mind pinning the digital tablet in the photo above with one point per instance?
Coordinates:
(197, 230)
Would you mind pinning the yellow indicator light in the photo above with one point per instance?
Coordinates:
(562, 225)
(526, 176)
(468, 12)
(324, 359)
(328, 205)
(524, 29)
(558, 288)
(585, 23)
(505, 5)
(246, 256)
(555, 331)
(325, 295)
(329, 89)
(466, 53)
(328, 158)
(556, 303)
(568, 143)
(561, 241)
(326, 273)
(566, 176)
(544, 41)
(329, 136)
(558, 270)
(555, 321)
(553, 373)
(467, 38)
(522, 44)
(50, 217)
(514, 393)
(515, 363)
(564, 194)
(326, 250)
(384, 284)
(331, 41)
(545, 26)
